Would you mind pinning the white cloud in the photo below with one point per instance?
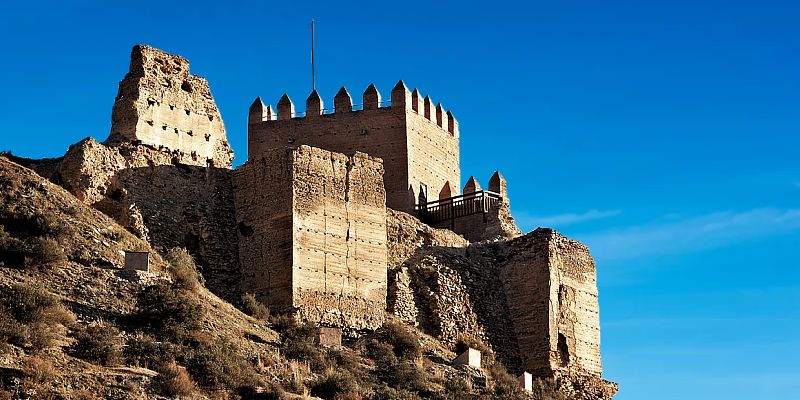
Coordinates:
(554, 221)
(691, 234)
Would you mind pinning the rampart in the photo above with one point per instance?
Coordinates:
(160, 104)
(551, 290)
(312, 234)
(417, 140)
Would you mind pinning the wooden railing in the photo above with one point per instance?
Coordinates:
(458, 206)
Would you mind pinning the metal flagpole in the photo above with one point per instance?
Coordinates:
(313, 84)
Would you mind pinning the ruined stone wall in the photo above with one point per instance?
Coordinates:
(415, 150)
(263, 198)
(161, 104)
(497, 223)
(331, 261)
(169, 205)
(551, 290)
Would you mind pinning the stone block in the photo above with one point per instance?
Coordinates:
(470, 357)
(330, 336)
(137, 261)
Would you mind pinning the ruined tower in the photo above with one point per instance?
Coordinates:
(417, 140)
(162, 105)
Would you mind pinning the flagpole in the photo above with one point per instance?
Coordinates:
(313, 84)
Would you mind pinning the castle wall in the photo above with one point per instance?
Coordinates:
(416, 151)
(327, 236)
(551, 290)
(160, 104)
(263, 198)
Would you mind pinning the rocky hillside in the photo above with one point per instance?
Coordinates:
(75, 325)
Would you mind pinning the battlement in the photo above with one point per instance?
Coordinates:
(401, 100)
(417, 139)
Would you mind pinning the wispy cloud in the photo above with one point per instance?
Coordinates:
(669, 236)
(559, 220)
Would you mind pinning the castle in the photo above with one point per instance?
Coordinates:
(309, 223)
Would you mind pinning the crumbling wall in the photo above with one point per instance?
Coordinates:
(551, 289)
(323, 247)
(160, 104)
(169, 205)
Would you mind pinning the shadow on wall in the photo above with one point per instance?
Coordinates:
(175, 206)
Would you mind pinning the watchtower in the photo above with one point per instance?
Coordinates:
(417, 140)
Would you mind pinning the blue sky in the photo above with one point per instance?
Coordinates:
(664, 134)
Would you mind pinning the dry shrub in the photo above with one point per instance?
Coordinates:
(144, 351)
(254, 308)
(299, 342)
(45, 250)
(219, 365)
(167, 313)
(38, 371)
(457, 388)
(31, 314)
(335, 385)
(174, 381)
(399, 373)
(28, 303)
(183, 269)
(504, 385)
(11, 330)
(82, 394)
(99, 343)
(404, 343)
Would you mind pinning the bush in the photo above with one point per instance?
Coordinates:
(167, 313)
(504, 384)
(334, 385)
(29, 303)
(99, 343)
(173, 381)
(38, 371)
(11, 330)
(219, 365)
(45, 250)
(404, 374)
(403, 341)
(183, 269)
(41, 336)
(299, 343)
(144, 351)
(254, 308)
(457, 388)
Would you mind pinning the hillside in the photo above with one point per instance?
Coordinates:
(73, 324)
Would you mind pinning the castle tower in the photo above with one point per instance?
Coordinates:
(162, 105)
(417, 141)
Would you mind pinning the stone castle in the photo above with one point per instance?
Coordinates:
(334, 212)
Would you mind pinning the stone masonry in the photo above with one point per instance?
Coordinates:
(417, 141)
(162, 105)
(551, 290)
(312, 235)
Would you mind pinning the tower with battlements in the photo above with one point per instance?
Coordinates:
(417, 140)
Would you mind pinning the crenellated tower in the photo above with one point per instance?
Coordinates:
(417, 140)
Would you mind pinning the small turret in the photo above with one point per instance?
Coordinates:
(497, 184)
(441, 117)
(342, 102)
(472, 186)
(372, 98)
(285, 107)
(258, 112)
(452, 124)
(428, 105)
(447, 191)
(314, 105)
(401, 98)
(416, 101)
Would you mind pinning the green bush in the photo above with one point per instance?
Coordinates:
(219, 365)
(298, 342)
(399, 373)
(334, 384)
(183, 269)
(167, 313)
(143, 351)
(99, 343)
(254, 308)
